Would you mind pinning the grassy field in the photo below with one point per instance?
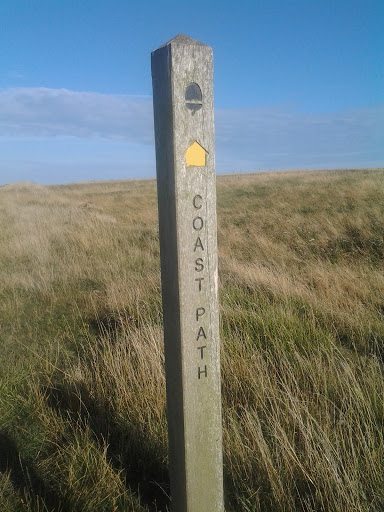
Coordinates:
(82, 387)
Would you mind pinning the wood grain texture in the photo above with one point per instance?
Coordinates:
(188, 245)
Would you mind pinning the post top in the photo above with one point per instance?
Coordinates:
(184, 40)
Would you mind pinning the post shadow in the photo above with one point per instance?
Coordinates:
(144, 474)
(25, 477)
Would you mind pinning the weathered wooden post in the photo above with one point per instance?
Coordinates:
(182, 76)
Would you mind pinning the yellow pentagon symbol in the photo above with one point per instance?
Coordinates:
(195, 155)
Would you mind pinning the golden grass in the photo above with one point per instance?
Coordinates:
(82, 401)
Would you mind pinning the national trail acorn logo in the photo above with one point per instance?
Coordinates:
(193, 98)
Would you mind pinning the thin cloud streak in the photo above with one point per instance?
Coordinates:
(246, 139)
(278, 138)
(42, 112)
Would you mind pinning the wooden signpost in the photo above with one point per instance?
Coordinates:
(182, 76)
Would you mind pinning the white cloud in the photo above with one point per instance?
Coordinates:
(42, 112)
(281, 138)
(14, 75)
(246, 139)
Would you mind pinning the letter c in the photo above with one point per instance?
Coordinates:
(197, 196)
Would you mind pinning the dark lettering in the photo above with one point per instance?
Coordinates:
(198, 243)
(199, 279)
(200, 372)
(198, 223)
(197, 196)
(199, 265)
(200, 334)
(199, 312)
(202, 350)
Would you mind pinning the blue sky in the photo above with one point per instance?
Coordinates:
(298, 84)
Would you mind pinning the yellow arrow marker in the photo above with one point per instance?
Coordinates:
(195, 155)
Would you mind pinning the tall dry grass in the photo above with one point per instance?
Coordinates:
(82, 402)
